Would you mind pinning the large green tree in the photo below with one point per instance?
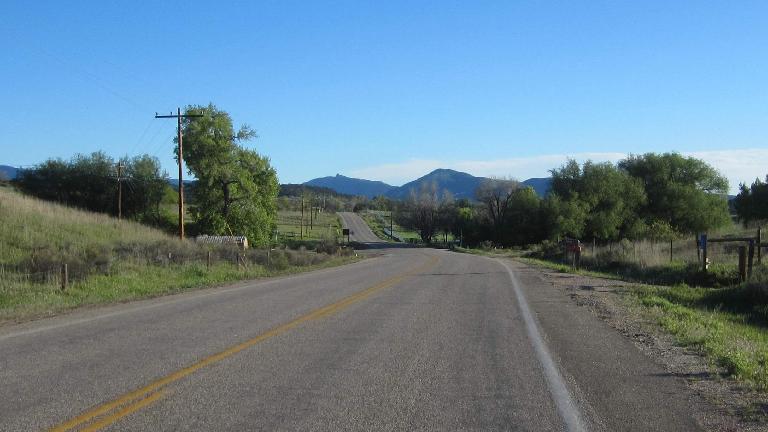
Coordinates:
(145, 185)
(596, 201)
(684, 192)
(751, 203)
(523, 217)
(236, 190)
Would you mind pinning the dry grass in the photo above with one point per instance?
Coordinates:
(28, 224)
(110, 260)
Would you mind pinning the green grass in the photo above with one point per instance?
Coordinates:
(377, 221)
(729, 326)
(324, 226)
(24, 300)
(113, 261)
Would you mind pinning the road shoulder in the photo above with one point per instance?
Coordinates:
(733, 406)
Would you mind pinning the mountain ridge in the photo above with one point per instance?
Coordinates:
(459, 184)
(352, 186)
(8, 172)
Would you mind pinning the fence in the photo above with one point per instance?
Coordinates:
(62, 272)
(747, 248)
(732, 258)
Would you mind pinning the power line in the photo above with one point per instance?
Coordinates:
(141, 137)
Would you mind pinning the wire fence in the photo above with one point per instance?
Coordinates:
(61, 272)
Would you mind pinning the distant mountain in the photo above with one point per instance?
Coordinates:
(8, 172)
(540, 185)
(295, 190)
(352, 186)
(175, 182)
(460, 184)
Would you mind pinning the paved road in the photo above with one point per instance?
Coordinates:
(413, 339)
(359, 231)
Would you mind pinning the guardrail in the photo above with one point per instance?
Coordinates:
(392, 236)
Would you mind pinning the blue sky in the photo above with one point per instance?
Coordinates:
(390, 90)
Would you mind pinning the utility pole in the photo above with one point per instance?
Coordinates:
(120, 167)
(392, 222)
(301, 224)
(178, 116)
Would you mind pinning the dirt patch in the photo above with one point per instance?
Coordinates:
(738, 407)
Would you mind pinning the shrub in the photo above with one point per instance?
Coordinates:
(278, 260)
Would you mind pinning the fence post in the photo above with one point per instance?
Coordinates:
(64, 276)
(705, 260)
(208, 260)
(577, 256)
(670, 250)
(698, 247)
(759, 244)
(750, 258)
(742, 263)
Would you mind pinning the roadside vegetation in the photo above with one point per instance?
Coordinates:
(111, 261)
(321, 228)
(727, 324)
(70, 250)
(379, 224)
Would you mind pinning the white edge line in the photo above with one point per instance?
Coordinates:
(569, 411)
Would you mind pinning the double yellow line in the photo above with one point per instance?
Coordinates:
(108, 413)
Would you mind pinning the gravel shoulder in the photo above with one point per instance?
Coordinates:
(737, 408)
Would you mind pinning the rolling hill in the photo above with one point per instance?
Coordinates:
(352, 186)
(8, 172)
(460, 184)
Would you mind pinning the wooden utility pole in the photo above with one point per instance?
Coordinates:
(120, 167)
(178, 116)
(392, 222)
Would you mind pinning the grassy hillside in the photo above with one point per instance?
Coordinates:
(326, 227)
(110, 260)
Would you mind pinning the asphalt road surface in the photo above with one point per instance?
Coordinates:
(411, 339)
(359, 230)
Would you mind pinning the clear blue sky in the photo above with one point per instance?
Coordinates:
(388, 89)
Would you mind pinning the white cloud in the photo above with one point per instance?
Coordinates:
(739, 165)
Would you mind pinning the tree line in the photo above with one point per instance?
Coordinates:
(658, 196)
(235, 190)
(90, 182)
(751, 204)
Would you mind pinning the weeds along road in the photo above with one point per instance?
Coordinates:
(413, 339)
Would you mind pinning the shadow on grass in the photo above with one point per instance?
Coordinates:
(747, 302)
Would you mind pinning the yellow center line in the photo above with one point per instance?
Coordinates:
(143, 396)
(108, 420)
